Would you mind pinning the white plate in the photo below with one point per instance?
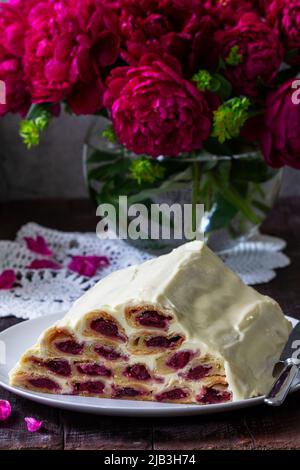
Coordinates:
(20, 337)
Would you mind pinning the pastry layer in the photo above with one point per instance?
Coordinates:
(185, 376)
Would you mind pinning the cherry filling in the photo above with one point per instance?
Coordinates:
(44, 383)
(59, 367)
(107, 328)
(90, 387)
(175, 394)
(163, 341)
(153, 319)
(179, 360)
(198, 372)
(109, 353)
(138, 372)
(209, 396)
(69, 347)
(125, 392)
(94, 370)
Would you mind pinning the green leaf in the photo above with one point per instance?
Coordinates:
(206, 167)
(36, 110)
(213, 146)
(102, 112)
(216, 83)
(254, 170)
(234, 198)
(221, 64)
(182, 176)
(221, 214)
(224, 88)
(150, 193)
(103, 156)
(223, 171)
(101, 173)
(261, 206)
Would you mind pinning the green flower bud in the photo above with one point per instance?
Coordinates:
(146, 171)
(109, 134)
(29, 133)
(229, 118)
(234, 57)
(42, 121)
(203, 80)
(30, 128)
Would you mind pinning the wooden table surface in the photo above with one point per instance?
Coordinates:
(255, 428)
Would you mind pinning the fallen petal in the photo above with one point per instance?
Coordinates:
(7, 279)
(5, 410)
(87, 265)
(43, 264)
(33, 424)
(38, 245)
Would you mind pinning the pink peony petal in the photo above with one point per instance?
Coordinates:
(7, 279)
(38, 245)
(5, 410)
(44, 264)
(33, 424)
(87, 265)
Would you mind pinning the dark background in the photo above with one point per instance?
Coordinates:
(54, 169)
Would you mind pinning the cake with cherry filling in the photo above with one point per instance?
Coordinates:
(180, 328)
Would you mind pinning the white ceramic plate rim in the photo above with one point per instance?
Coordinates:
(24, 335)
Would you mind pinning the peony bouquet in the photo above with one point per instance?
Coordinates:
(187, 86)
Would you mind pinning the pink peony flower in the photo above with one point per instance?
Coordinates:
(7, 279)
(12, 24)
(67, 49)
(228, 12)
(33, 425)
(285, 16)
(38, 245)
(180, 28)
(17, 100)
(88, 265)
(5, 410)
(156, 112)
(280, 138)
(260, 53)
(12, 27)
(262, 6)
(44, 264)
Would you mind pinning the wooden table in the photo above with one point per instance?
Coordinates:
(255, 428)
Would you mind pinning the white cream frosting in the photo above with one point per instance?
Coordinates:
(215, 310)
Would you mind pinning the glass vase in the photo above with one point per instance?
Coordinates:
(237, 189)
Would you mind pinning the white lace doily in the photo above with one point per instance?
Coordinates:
(44, 291)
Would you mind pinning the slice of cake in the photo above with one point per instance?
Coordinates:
(180, 328)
